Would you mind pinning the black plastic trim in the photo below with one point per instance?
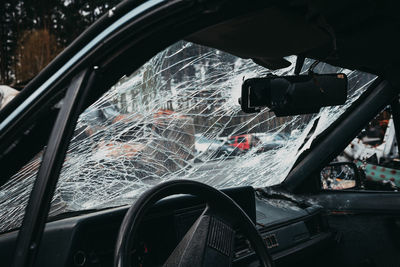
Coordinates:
(313, 241)
(357, 201)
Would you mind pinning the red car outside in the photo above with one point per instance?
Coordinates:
(243, 142)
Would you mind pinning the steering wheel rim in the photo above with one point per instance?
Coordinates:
(212, 196)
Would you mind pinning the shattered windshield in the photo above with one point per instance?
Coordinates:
(178, 117)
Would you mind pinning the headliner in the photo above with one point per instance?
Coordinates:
(365, 33)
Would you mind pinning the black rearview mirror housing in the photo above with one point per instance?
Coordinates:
(293, 95)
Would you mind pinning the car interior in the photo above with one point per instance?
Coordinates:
(327, 209)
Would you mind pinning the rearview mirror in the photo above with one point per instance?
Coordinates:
(293, 95)
(340, 176)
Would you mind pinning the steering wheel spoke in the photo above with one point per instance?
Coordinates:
(209, 242)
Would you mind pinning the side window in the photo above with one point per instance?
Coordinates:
(370, 161)
(14, 195)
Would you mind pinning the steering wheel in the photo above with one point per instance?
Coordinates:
(209, 241)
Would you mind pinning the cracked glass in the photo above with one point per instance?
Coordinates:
(178, 117)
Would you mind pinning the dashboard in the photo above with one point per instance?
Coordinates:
(289, 228)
